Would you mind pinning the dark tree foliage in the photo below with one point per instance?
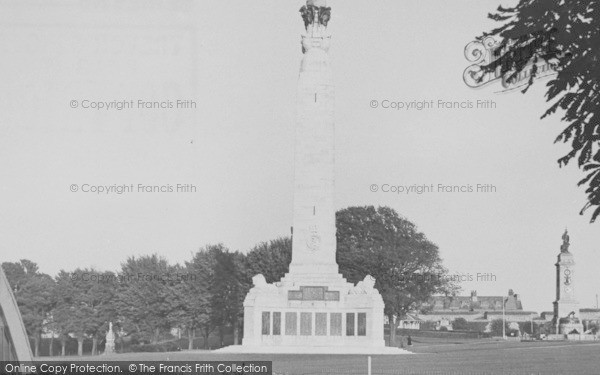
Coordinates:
(271, 259)
(33, 292)
(72, 313)
(84, 305)
(564, 33)
(191, 296)
(496, 327)
(406, 265)
(529, 328)
(143, 298)
(101, 297)
(460, 324)
(61, 323)
(226, 292)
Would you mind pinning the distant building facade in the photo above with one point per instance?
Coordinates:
(483, 309)
(567, 317)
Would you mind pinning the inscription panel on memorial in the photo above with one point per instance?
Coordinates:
(321, 324)
(266, 323)
(306, 324)
(349, 324)
(313, 293)
(295, 295)
(362, 324)
(276, 323)
(336, 324)
(291, 323)
(332, 296)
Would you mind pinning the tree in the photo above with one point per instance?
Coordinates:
(226, 292)
(566, 34)
(547, 328)
(101, 298)
(33, 292)
(406, 265)
(242, 288)
(460, 324)
(143, 298)
(191, 298)
(205, 260)
(271, 259)
(477, 326)
(61, 321)
(19, 273)
(496, 327)
(74, 312)
(530, 328)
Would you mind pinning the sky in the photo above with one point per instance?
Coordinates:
(238, 61)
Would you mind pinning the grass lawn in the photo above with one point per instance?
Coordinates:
(431, 356)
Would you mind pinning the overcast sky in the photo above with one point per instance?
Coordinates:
(239, 60)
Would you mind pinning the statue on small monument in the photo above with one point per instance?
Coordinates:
(564, 248)
(109, 348)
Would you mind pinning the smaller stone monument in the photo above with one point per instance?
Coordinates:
(109, 348)
(566, 306)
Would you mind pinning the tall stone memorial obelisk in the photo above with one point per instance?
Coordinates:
(314, 241)
(313, 309)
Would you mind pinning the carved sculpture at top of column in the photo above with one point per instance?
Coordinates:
(316, 15)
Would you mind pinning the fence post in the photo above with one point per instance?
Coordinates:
(369, 365)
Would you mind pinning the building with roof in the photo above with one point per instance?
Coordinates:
(474, 308)
(475, 303)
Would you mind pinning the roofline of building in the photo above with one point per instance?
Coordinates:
(512, 312)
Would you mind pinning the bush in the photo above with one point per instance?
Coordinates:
(442, 334)
(477, 326)
(496, 327)
(428, 326)
(525, 327)
(460, 324)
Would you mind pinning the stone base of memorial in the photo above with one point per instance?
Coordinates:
(316, 314)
